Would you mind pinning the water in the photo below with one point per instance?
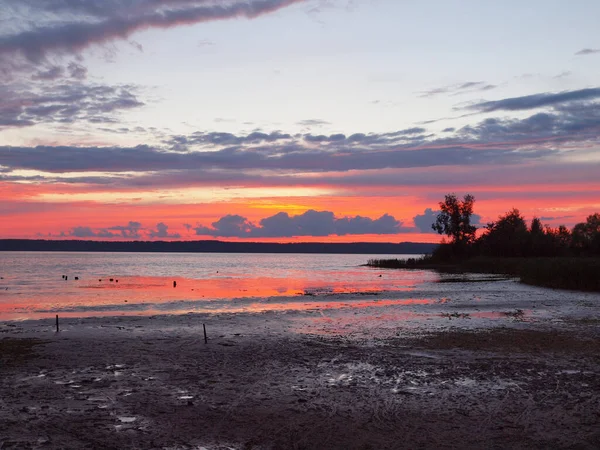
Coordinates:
(32, 285)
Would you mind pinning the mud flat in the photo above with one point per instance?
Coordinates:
(432, 376)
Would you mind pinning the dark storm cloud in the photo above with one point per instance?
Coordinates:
(71, 25)
(310, 223)
(587, 51)
(65, 103)
(536, 101)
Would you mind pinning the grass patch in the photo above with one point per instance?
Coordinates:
(16, 351)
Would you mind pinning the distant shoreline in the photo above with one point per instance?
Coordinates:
(375, 248)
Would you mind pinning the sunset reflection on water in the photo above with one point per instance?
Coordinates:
(214, 283)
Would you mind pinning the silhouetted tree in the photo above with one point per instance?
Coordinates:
(454, 220)
(509, 236)
(506, 237)
(539, 242)
(560, 240)
(586, 236)
(536, 227)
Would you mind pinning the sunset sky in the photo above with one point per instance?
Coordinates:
(293, 120)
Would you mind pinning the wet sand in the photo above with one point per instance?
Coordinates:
(367, 377)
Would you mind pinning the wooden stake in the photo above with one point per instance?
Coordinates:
(205, 338)
(57, 330)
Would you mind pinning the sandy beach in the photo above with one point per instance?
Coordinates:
(367, 377)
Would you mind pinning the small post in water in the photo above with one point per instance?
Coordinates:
(57, 323)
(205, 338)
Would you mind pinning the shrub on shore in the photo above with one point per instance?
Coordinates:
(576, 273)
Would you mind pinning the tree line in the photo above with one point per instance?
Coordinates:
(510, 235)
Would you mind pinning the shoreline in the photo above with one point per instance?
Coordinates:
(475, 294)
(346, 378)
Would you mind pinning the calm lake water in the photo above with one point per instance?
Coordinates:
(32, 284)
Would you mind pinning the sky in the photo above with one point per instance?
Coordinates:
(293, 120)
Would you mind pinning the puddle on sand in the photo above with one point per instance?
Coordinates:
(126, 419)
(366, 320)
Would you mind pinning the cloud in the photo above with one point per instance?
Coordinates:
(65, 103)
(52, 73)
(206, 43)
(55, 72)
(459, 88)
(563, 74)
(553, 218)
(69, 26)
(228, 226)
(131, 230)
(82, 232)
(424, 221)
(77, 71)
(162, 232)
(571, 122)
(313, 123)
(215, 138)
(587, 51)
(413, 134)
(310, 223)
(282, 159)
(87, 232)
(535, 101)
